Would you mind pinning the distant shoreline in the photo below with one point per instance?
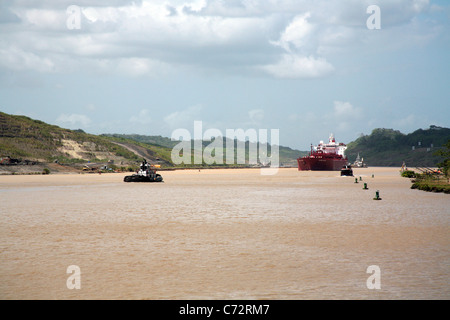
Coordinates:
(60, 169)
(38, 169)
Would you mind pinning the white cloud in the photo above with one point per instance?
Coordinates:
(345, 116)
(141, 66)
(143, 117)
(295, 66)
(294, 63)
(74, 120)
(306, 117)
(17, 59)
(150, 37)
(296, 33)
(346, 111)
(407, 121)
(183, 118)
(256, 115)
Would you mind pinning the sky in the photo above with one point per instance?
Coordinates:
(307, 68)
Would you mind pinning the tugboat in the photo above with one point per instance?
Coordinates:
(146, 173)
(347, 171)
(359, 162)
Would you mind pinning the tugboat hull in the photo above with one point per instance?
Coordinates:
(146, 173)
(139, 178)
(347, 171)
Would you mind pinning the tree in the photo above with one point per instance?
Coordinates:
(444, 152)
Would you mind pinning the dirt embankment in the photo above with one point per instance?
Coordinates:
(36, 168)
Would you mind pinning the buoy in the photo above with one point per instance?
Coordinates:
(365, 186)
(377, 195)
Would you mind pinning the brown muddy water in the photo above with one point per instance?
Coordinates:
(223, 234)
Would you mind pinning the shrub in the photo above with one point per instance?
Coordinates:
(408, 174)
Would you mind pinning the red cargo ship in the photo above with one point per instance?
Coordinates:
(327, 157)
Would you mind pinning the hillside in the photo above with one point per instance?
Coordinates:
(288, 156)
(33, 141)
(388, 147)
(24, 138)
(151, 140)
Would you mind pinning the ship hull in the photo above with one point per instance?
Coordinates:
(321, 164)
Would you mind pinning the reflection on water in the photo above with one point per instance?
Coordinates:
(223, 234)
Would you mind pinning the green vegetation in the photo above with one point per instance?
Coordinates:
(430, 182)
(445, 163)
(163, 148)
(151, 151)
(408, 174)
(25, 138)
(22, 137)
(148, 140)
(435, 180)
(388, 147)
